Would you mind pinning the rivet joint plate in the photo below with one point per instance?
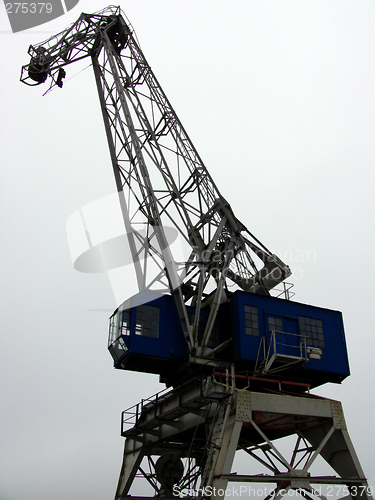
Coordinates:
(338, 415)
(244, 407)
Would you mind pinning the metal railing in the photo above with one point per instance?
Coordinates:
(284, 291)
(131, 416)
(274, 350)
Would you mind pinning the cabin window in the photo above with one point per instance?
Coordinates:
(112, 329)
(251, 320)
(117, 349)
(125, 323)
(275, 324)
(116, 344)
(313, 330)
(147, 321)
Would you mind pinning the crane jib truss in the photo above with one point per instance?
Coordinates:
(161, 179)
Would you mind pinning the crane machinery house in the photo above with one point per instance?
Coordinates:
(268, 335)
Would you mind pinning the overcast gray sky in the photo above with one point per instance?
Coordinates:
(278, 97)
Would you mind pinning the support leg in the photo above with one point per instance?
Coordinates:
(226, 456)
(133, 455)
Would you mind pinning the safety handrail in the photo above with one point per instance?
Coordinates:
(285, 292)
(273, 344)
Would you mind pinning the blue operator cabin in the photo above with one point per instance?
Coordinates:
(269, 337)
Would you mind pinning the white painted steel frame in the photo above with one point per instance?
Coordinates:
(323, 433)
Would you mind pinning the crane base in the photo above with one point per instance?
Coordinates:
(202, 425)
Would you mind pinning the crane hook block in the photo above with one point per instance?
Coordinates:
(60, 76)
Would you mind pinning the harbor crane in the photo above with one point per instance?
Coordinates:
(237, 356)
